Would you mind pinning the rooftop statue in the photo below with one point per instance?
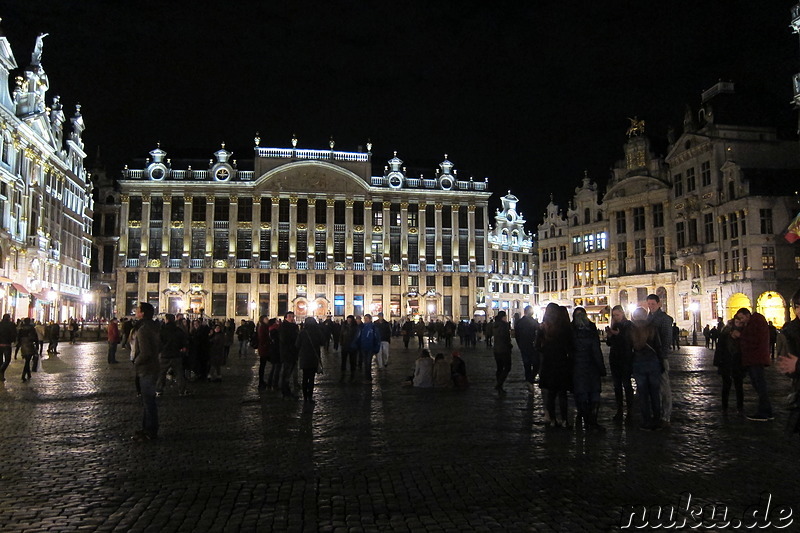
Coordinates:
(636, 127)
(36, 56)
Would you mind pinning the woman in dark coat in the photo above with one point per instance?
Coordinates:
(620, 359)
(587, 368)
(502, 349)
(27, 339)
(553, 343)
(309, 343)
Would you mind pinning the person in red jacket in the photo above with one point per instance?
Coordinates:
(114, 338)
(753, 335)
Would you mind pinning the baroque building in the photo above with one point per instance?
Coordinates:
(309, 231)
(700, 227)
(45, 201)
(512, 262)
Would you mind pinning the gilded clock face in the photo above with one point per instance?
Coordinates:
(395, 182)
(447, 184)
(222, 174)
(157, 173)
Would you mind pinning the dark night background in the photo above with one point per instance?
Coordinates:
(528, 94)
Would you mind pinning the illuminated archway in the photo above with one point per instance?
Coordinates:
(773, 307)
(736, 302)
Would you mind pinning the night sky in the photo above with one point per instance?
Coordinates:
(528, 94)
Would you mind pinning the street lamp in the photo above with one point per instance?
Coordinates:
(253, 308)
(694, 307)
(52, 295)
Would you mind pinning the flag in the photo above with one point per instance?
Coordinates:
(793, 231)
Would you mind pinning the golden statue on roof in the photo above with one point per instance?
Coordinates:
(636, 127)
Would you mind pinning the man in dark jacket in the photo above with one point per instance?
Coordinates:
(369, 343)
(8, 335)
(525, 331)
(174, 346)
(502, 349)
(753, 335)
(147, 345)
(385, 332)
(287, 333)
(662, 322)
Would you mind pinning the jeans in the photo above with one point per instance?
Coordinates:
(760, 385)
(666, 393)
(648, 375)
(308, 382)
(112, 352)
(176, 364)
(503, 362)
(147, 384)
(530, 363)
(366, 360)
(243, 346)
(383, 354)
(287, 369)
(5, 358)
(274, 378)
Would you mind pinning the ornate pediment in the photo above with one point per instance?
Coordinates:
(312, 176)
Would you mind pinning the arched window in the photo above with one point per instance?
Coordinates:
(110, 199)
(587, 216)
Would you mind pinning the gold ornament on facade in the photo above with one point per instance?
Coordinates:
(233, 199)
(124, 198)
(321, 227)
(387, 205)
(177, 224)
(358, 229)
(167, 198)
(422, 206)
(210, 198)
(293, 200)
(187, 199)
(283, 265)
(403, 205)
(330, 202)
(198, 224)
(349, 202)
(245, 225)
(220, 263)
(438, 206)
(412, 231)
(266, 225)
(145, 197)
(377, 229)
(154, 263)
(134, 224)
(302, 226)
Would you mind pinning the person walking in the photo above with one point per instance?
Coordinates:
(217, 348)
(26, 338)
(114, 337)
(385, 333)
(587, 369)
(262, 336)
(309, 343)
(753, 334)
(620, 361)
(369, 343)
(419, 331)
(788, 348)
(662, 322)
(348, 339)
(502, 349)
(8, 336)
(174, 346)
(146, 347)
(288, 332)
(525, 330)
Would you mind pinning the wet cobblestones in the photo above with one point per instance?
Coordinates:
(366, 457)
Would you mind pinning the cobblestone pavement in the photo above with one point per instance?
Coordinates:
(366, 457)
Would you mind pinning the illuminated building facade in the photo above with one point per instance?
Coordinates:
(309, 231)
(45, 201)
(700, 227)
(512, 260)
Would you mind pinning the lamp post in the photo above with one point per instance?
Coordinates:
(52, 295)
(694, 307)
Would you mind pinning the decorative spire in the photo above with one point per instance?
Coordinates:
(331, 143)
(369, 146)
(294, 140)
(257, 139)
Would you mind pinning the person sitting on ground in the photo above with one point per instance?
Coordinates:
(442, 377)
(458, 370)
(423, 370)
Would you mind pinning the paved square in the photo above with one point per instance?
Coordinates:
(377, 457)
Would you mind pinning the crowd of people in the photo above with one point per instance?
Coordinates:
(27, 338)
